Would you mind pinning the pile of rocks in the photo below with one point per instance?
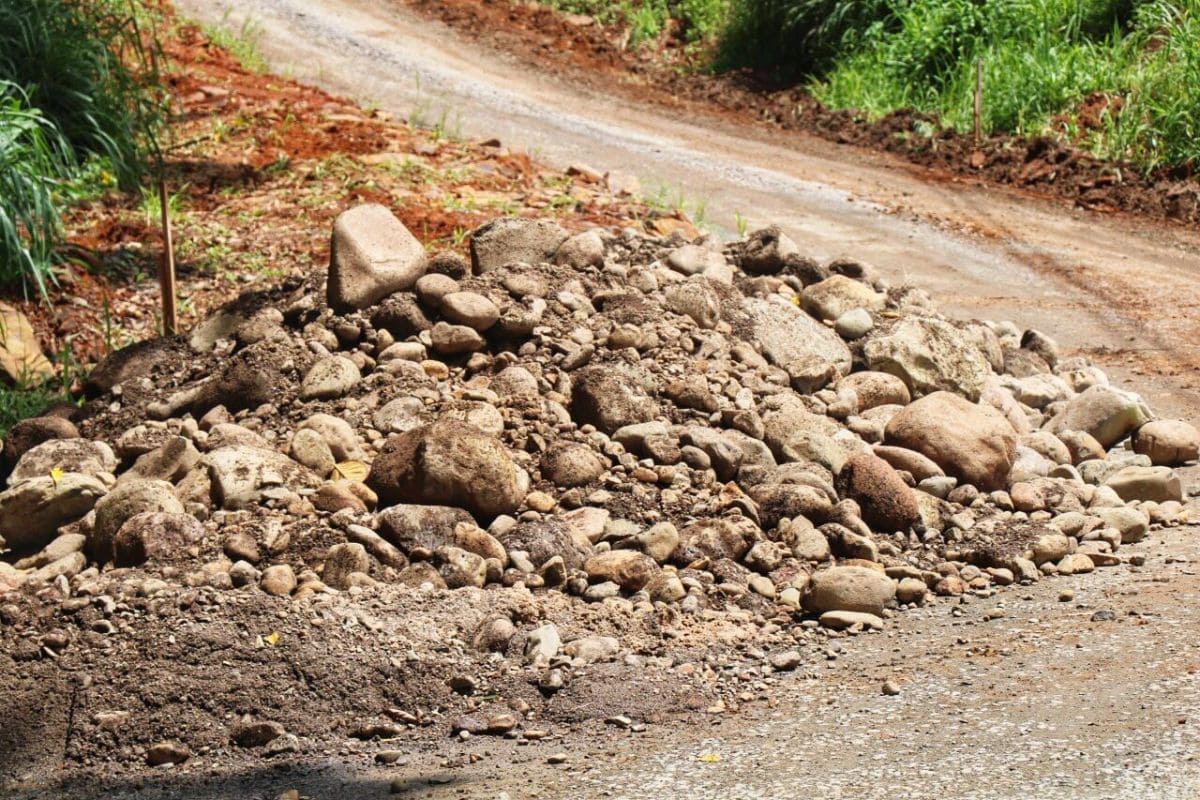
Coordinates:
(608, 415)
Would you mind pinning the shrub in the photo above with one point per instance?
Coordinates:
(34, 157)
(78, 81)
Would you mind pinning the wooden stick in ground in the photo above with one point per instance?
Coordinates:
(166, 270)
(978, 101)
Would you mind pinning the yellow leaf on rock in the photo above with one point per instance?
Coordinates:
(355, 471)
(710, 758)
(56, 474)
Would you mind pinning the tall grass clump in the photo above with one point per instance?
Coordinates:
(78, 83)
(1041, 59)
(34, 157)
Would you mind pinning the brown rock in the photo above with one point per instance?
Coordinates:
(887, 503)
(629, 569)
(971, 442)
(449, 462)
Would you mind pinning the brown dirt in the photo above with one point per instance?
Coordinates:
(261, 165)
(665, 73)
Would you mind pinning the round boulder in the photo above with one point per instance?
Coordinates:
(850, 589)
(451, 463)
(1167, 442)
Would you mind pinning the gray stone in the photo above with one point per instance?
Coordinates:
(329, 379)
(470, 309)
(240, 475)
(449, 462)
(929, 355)
(787, 334)
(68, 455)
(32, 511)
(508, 240)
(1106, 413)
(371, 256)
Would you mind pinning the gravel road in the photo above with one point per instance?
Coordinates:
(1042, 701)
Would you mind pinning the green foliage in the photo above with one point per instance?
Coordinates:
(796, 37)
(1041, 59)
(701, 20)
(21, 402)
(241, 42)
(33, 158)
(80, 105)
(91, 69)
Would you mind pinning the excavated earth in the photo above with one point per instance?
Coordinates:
(601, 482)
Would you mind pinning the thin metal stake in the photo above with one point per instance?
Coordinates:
(166, 270)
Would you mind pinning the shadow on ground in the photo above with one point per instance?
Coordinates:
(266, 782)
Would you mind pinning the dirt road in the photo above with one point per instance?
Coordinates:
(1040, 702)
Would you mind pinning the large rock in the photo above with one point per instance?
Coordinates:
(419, 530)
(1167, 442)
(767, 251)
(507, 241)
(1106, 413)
(449, 462)
(887, 503)
(837, 294)
(29, 433)
(571, 464)
(929, 355)
(68, 455)
(850, 589)
(874, 389)
(155, 536)
(610, 400)
(125, 501)
(629, 569)
(695, 298)
(371, 256)
(32, 511)
(241, 474)
(470, 309)
(973, 443)
(545, 539)
(787, 335)
(1159, 484)
(329, 379)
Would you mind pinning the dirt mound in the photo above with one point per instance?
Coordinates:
(573, 487)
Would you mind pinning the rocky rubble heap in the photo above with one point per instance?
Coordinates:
(696, 424)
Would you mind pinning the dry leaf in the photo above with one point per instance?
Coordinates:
(354, 471)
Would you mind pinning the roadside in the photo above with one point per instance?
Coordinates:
(258, 167)
(667, 74)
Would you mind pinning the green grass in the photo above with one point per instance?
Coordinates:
(81, 107)
(241, 41)
(700, 20)
(18, 403)
(1041, 59)
(34, 157)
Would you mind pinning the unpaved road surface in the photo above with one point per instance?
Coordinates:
(1041, 702)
